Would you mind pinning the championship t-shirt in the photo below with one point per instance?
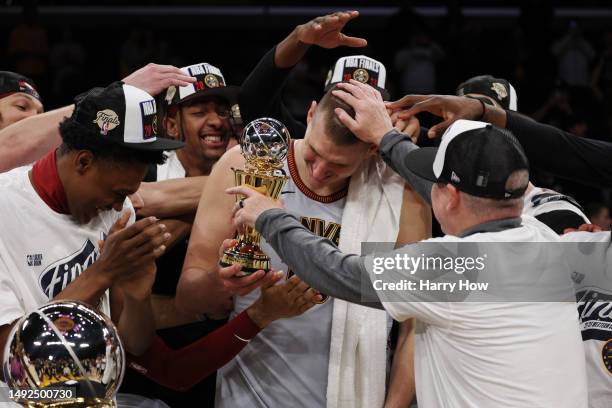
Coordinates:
(41, 251)
(590, 257)
(285, 365)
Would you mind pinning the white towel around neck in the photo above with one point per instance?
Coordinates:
(358, 350)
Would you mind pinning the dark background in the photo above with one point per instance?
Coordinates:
(557, 54)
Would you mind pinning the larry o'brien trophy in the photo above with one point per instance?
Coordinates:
(264, 144)
(65, 354)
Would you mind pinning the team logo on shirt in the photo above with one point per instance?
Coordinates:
(606, 355)
(61, 273)
(34, 259)
(595, 312)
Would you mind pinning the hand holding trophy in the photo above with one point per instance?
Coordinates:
(264, 144)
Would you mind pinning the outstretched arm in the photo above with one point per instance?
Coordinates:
(28, 140)
(269, 76)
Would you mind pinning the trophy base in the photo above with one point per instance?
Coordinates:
(249, 256)
(71, 403)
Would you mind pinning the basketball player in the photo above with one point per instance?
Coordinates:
(292, 353)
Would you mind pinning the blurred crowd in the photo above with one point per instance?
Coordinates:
(423, 56)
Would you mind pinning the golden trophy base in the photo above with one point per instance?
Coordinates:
(249, 256)
(70, 403)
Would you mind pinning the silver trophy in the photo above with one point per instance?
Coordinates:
(65, 354)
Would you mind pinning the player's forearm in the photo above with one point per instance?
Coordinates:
(136, 324)
(393, 148)
(166, 313)
(171, 198)
(316, 260)
(200, 292)
(290, 51)
(89, 287)
(402, 387)
(29, 139)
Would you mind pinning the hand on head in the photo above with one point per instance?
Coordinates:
(154, 78)
(371, 120)
(449, 108)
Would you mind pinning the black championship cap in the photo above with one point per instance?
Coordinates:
(209, 82)
(11, 82)
(498, 89)
(475, 157)
(124, 115)
(360, 68)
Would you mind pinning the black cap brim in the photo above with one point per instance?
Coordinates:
(229, 93)
(420, 162)
(160, 144)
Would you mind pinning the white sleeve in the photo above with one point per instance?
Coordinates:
(10, 307)
(402, 288)
(588, 252)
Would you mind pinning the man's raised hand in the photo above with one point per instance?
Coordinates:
(155, 78)
(372, 121)
(326, 31)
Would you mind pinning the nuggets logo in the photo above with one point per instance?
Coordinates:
(60, 274)
(606, 355)
(211, 81)
(499, 89)
(361, 75)
(106, 120)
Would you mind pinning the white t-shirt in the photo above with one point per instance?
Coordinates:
(591, 265)
(41, 251)
(171, 169)
(497, 354)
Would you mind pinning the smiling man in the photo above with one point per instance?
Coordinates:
(198, 114)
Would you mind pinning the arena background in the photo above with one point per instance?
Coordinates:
(557, 54)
